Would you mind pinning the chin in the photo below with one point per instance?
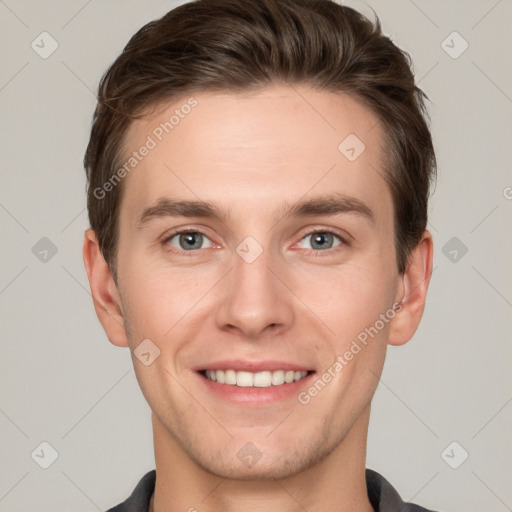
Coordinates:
(260, 472)
(271, 463)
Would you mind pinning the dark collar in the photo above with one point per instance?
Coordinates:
(383, 497)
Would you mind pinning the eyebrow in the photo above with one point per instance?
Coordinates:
(332, 204)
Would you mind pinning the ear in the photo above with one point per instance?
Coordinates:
(415, 281)
(105, 295)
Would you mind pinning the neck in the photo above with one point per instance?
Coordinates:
(336, 482)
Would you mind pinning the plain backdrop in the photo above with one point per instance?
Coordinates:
(64, 384)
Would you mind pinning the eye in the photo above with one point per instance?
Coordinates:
(321, 240)
(188, 240)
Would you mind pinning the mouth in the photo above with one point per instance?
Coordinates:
(262, 388)
(262, 379)
(252, 383)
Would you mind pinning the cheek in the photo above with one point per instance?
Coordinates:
(159, 297)
(346, 299)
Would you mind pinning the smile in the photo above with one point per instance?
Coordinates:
(262, 379)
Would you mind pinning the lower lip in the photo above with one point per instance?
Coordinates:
(253, 395)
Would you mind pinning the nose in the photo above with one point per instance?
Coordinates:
(255, 300)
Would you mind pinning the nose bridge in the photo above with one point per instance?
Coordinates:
(255, 298)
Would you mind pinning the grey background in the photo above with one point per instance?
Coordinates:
(62, 381)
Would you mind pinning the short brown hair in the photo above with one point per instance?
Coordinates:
(241, 45)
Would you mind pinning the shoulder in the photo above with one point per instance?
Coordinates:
(139, 499)
(384, 497)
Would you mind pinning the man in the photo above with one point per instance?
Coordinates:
(259, 174)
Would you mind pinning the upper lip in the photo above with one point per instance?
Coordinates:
(253, 366)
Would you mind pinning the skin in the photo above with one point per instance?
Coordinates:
(249, 153)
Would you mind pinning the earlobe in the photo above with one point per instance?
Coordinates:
(104, 291)
(416, 279)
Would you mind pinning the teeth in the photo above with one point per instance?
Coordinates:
(259, 380)
(277, 378)
(230, 377)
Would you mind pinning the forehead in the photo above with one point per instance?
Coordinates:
(256, 149)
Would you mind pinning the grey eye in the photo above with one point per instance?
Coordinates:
(188, 241)
(321, 240)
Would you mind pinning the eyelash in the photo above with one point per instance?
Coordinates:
(310, 252)
(326, 252)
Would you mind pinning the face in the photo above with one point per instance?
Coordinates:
(255, 249)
